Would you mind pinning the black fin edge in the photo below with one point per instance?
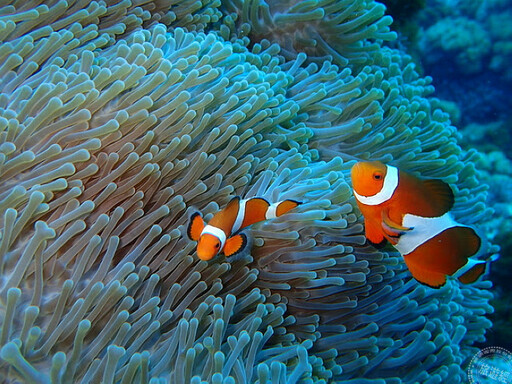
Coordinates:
(191, 220)
(236, 197)
(242, 247)
(431, 286)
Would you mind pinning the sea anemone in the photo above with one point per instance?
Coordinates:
(118, 121)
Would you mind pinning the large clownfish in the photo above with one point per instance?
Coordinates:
(413, 215)
(221, 233)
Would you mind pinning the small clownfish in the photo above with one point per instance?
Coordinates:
(221, 233)
(413, 215)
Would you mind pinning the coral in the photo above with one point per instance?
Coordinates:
(461, 38)
(490, 138)
(118, 121)
(478, 39)
(471, 39)
(501, 34)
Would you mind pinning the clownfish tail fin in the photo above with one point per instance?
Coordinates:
(473, 273)
(195, 226)
(475, 268)
(235, 244)
(477, 264)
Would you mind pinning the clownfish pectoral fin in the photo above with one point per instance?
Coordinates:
(427, 277)
(440, 194)
(235, 244)
(195, 226)
(374, 234)
(392, 229)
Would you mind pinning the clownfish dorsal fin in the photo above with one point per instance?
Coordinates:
(234, 201)
(440, 194)
(225, 218)
(195, 226)
(235, 244)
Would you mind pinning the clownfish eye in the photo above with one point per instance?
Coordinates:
(217, 245)
(377, 176)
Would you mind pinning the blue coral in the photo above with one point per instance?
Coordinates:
(117, 121)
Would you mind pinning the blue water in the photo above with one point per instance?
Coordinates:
(466, 46)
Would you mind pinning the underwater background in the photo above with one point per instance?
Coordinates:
(119, 119)
(466, 47)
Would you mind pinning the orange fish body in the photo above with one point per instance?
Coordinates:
(221, 233)
(413, 215)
